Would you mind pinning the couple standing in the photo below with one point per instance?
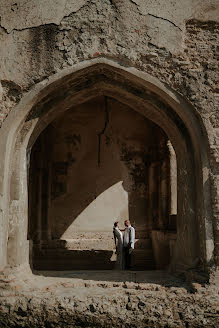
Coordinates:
(124, 242)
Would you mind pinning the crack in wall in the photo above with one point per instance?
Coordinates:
(135, 3)
(4, 29)
(72, 12)
(42, 24)
(27, 28)
(155, 16)
(165, 19)
(101, 133)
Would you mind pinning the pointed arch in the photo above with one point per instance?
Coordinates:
(146, 95)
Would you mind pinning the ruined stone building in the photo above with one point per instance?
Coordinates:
(108, 111)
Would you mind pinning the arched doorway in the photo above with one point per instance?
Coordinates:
(150, 99)
(96, 163)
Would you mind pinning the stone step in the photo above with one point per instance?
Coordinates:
(140, 255)
(63, 265)
(104, 234)
(89, 244)
(143, 259)
(147, 265)
(99, 255)
(61, 259)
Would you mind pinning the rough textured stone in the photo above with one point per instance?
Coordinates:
(43, 45)
(156, 300)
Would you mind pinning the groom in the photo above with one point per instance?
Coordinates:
(128, 243)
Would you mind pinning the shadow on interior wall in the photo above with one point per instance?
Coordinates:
(98, 203)
(80, 205)
(71, 167)
(90, 212)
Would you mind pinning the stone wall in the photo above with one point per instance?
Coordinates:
(175, 43)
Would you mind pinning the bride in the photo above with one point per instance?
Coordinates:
(118, 238)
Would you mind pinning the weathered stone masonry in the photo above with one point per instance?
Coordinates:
(160, 60)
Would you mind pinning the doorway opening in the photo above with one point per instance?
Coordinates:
(96, 163)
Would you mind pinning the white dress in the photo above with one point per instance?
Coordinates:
(119, 244)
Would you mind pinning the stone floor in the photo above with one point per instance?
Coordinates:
(106, 299)
(155, 277)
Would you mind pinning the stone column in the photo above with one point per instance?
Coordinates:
(49, 184)
(173, 179)
(45, 180)
(157, 200)
(18, 245)
(163, 194)
(38, 192)
(152, 191)
(187, 247)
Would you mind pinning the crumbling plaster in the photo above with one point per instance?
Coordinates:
(38, 38)
(22, 14)
(177, 51)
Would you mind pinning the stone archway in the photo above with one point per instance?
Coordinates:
(146, 95)
(96, 163)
